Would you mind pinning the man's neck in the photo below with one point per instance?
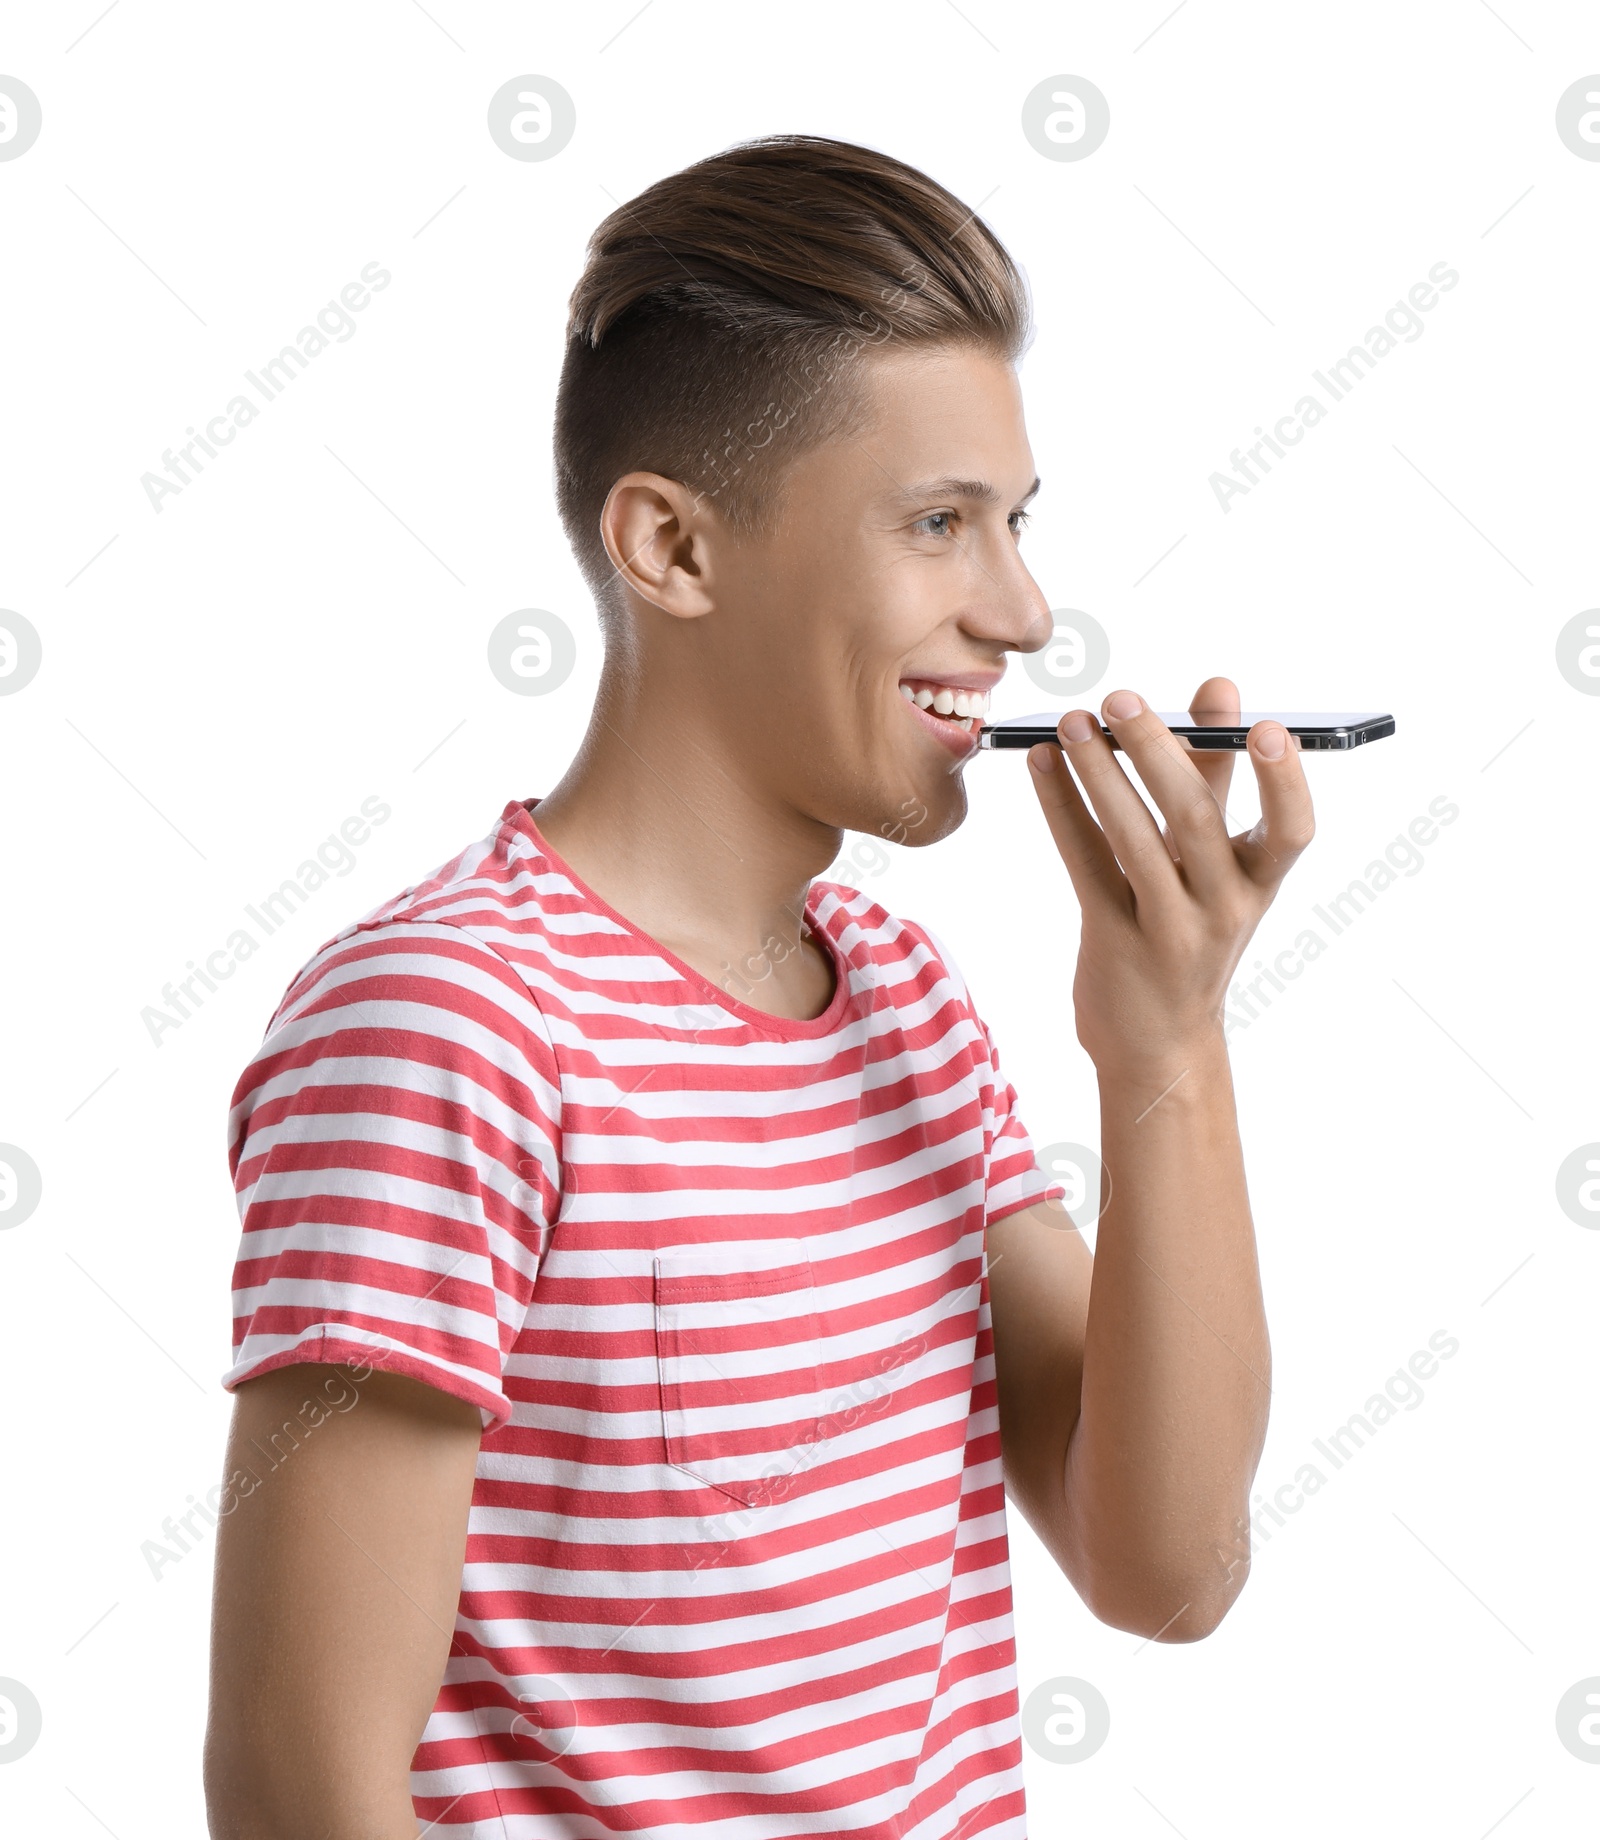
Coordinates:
(656, 815)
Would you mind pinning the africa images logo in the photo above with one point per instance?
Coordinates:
(333, 323)
(1402, 323)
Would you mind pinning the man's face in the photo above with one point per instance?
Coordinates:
(893, 578)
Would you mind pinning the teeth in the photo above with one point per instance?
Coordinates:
(960, 706)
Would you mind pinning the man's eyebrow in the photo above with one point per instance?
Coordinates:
(980, 491)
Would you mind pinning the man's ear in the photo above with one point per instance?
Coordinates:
(662, 537)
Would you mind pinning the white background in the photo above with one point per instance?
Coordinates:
(231, 677)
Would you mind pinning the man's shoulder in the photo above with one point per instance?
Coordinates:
(839, 909)
(857, 922)
(435, 993)
(481, 910)
(499, 881)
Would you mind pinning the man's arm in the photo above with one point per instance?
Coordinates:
(1134, 1403)
(1134, 1385)
(338, 1570)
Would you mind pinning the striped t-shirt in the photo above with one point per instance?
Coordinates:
(736, 1563)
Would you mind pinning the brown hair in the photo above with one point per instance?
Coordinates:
(731, 302)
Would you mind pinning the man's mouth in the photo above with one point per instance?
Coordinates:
(952, 704)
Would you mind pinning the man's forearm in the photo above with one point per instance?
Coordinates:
(1176, 1359)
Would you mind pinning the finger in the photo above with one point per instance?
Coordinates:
(1083, 846)
(1130, 829)
(1216, 705)
(1172, 776)
(1286, 825)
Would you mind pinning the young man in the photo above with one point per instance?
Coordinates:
(632, 1352)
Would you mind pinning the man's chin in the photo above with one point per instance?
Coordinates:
(926, 816)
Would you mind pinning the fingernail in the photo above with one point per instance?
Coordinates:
(1077, 725)
(1123, 703)
(1271, 742)
(1042, 759)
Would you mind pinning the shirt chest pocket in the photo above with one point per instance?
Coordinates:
(737, 1352)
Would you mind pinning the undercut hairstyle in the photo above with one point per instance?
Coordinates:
(723, 318)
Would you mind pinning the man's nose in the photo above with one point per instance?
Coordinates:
(1011, 609)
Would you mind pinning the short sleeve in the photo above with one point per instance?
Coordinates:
(1012, 1177)
(395, 1149)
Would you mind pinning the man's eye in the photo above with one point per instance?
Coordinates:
(934, 517)
(1020, 521)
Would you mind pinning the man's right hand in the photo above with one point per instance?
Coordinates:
(337, 1577)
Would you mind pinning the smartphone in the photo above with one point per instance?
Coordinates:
(1339, 730)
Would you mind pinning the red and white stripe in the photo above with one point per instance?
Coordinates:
(737, 1560)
